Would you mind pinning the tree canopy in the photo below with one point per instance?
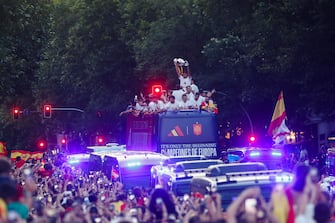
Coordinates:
(96, 55)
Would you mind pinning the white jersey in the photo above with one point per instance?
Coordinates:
(171, 106)
(160, 105)
(156, 106)
(190, 96)
(152, 106)
(184, 105)
(178, 94)
(184, 82)
(192, 104)
(201, 99)
(194, 88)
(197, 103)
(142, 108)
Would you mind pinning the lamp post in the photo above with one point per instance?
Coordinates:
(243, 109)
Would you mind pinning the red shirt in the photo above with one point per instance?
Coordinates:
(20, 163)
(45, 173)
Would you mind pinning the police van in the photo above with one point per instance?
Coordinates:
(132, 168)
(271, 157)
(177, 177)
(229, 180)
(157, 170)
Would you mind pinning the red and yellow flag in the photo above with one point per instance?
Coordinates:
(114, 173)
(3, 150)
(278, 129)
(25, 155)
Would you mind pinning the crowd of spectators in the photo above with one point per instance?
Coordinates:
(186, 97)
(49, 190)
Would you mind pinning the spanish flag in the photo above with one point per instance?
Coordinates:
(278, 129)
(3, 150)
(25, 155)
(114, 174)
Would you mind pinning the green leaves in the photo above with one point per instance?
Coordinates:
(96, 55)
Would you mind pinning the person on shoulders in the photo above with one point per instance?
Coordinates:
(183, 71)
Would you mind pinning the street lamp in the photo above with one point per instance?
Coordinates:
(243, 109)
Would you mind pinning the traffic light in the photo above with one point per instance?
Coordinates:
(100, 140)
(47, 111)
(157, 90)
(63, 142)
(42, 145)
(252, 139)
(16, 113)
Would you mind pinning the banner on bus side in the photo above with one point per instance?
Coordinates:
(189, 149)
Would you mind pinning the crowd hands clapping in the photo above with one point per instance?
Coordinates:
(51, 191)
(186, 97)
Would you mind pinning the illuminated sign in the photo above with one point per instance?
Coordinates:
(190, 149)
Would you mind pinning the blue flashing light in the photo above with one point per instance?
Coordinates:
(254, 153)
(276, 154)
(134, 164)
(284, 179)
(234, 158)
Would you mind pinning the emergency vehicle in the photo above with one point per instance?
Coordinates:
(229, 180)
(132, 168)
(107, 147)
(272, 158)
(170, 162)
(79, 161)
(177, 177)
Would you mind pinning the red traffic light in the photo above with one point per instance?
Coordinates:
(157, 90)
(16, 113)
(252, 138)
(63, 141)
(100, 140)
(42, 144)
(47, 111)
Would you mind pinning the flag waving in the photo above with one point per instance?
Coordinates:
(278, 129)
(3, 150)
